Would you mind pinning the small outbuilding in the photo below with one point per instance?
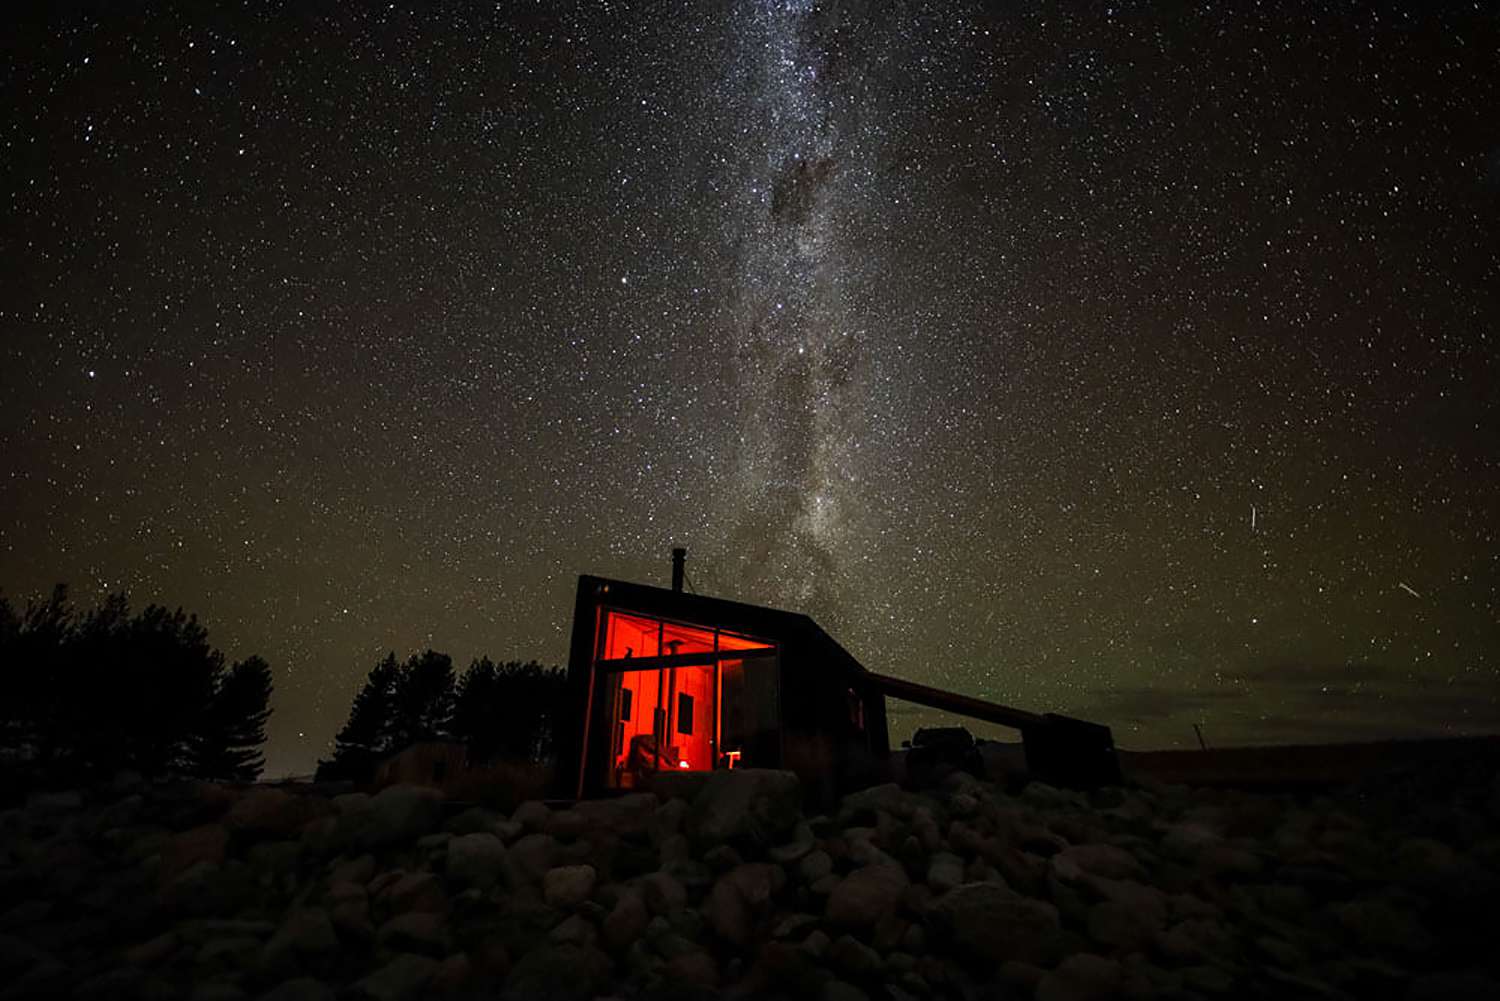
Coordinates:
(667, 681)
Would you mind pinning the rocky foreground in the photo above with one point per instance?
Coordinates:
(211, 893)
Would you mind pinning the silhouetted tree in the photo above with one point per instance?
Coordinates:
(422, 704)
(112, 690)
(366, 737)
(33, 649)
(227, 746)
(148, 680)
(509, 711)
(471, 708)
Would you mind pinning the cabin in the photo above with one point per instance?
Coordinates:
(433, 763)
(671, 682)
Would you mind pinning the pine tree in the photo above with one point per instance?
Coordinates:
(473, 721)
(422, 703)
(227, 747)
(85, 696)
(366, 737)
(509, 710)
(38, 660)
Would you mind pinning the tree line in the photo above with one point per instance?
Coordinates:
(500, 711)
(84, 695)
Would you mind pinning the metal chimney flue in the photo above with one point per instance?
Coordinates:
(679, 555)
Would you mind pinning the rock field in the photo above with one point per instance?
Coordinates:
(190, 890)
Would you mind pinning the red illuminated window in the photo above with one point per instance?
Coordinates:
(685, 697)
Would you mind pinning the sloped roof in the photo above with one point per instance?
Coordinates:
(786, 628)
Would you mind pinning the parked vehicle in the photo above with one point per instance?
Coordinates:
(935, 752)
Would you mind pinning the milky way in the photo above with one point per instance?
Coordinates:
(797, 333)
(1126, 362)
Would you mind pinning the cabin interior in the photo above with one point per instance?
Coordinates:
(685, 697)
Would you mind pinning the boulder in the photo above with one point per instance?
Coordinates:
(359, 870)
(693, 875)
(351, 802)
(991, 923)
(299, 989)
(453, 975)
(626, 921)
(1382, 925)
(753, 807)
(722, 858)
(557, 973)
(757, 882)
(65, 801)
(1207, 979)
(207, 889)
(1185, 841)
(568, 885)
(817, 943)
(404, 978)
(869, 803)
(794, 926)
(1108, 861)
(18, 956)
(663, 893)
(695, 969)
(1117, 927)
(532, 815)
(628, 815)
(675, 847)
(1081, 977)
(841, 990)
(395, 816)
(729, 914)
(414, 891)
(434, 843)
(852, 957)
(476, 859)
(1022, 978)
(152, 951)
(574, 930)
(340, 891)
(667, 821)
(205, 843)
(1046, 797)
(1193, 940)
(351, 918)
(1454, 985)
(418, 932)
(111, 984)
(1147, 904)
(944, 871)
(529, 858)
(266, 811)
(304, 936)
(799, 846)
(567, 825)
(474, 820)
(866, 895)
(738, 899)
(814, 866)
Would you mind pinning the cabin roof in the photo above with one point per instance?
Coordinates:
(784, 627)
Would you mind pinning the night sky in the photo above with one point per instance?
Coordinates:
(1137, 362)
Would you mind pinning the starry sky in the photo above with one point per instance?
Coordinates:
(1132, 361)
